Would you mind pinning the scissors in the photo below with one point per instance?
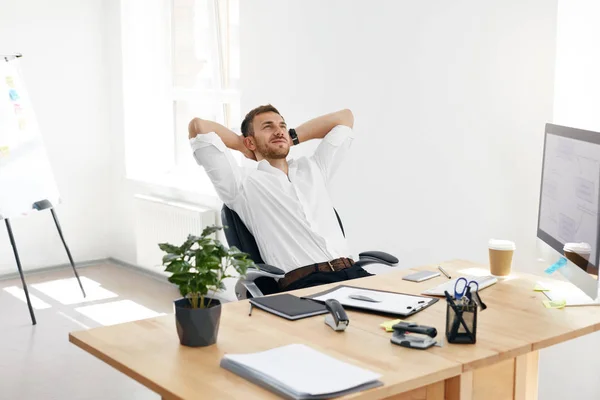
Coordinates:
(465, 290)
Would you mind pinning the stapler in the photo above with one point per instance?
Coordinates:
(414, 336)
(337, 318)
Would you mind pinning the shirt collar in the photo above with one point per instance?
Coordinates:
(265, 166)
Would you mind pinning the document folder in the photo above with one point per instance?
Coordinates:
(297, 371)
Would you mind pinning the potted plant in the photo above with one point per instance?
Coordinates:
(198, 267)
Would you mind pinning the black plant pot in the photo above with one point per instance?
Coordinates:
(197, 327)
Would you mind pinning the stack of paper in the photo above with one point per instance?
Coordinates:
(299, 372)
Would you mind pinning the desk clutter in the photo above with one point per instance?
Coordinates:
(298, 371)
(461, 312)
(414, 336)
(288, 306)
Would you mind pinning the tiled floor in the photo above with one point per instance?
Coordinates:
(38, 362)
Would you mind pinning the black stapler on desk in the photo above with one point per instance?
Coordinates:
(404, 335)
(337, 319)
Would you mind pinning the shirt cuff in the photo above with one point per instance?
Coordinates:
(339, 134)
(207, 139)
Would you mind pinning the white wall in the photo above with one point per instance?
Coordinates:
(63, 67)
(577, 86)
(575, 364)
(450, 100)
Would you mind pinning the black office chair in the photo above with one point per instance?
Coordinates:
(261, 281)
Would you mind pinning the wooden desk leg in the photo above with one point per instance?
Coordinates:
(526, 376)
(460, 387)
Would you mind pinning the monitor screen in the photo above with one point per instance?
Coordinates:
(570, 195)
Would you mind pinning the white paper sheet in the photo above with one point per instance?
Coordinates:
(305, 370)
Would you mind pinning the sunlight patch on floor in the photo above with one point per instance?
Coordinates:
(19, 293)
(67, 291)
(117, 312)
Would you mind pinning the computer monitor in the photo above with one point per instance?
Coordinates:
(569, 208)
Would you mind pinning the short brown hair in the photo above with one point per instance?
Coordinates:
(247, 128)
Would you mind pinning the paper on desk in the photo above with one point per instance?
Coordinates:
(304, 370)
(387, 325)
(555, 303)
(540, 288)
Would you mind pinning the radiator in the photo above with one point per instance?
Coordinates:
(160, 220)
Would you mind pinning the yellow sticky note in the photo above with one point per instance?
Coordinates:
(388, 325)
(4, 151)
(555, 303)
(539, 288)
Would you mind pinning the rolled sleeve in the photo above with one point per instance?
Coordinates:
(339, 134)
(332, 150)
(225, 174)
(208, 139)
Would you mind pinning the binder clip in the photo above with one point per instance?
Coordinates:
(413, 336)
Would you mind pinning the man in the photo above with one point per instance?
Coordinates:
(285, 204)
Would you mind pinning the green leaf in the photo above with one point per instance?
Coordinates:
(181, 278)
(209, 230)
(170, 257)
(169, 248)
(184, 290)
(178, 267)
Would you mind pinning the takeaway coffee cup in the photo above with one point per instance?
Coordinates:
(578, 253)
(501, 254)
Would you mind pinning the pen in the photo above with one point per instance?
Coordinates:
(250, 311)
(444, 272)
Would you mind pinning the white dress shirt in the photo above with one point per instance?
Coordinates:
(292, 220)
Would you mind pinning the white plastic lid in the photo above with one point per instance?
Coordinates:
(497, 244)
(579, 248)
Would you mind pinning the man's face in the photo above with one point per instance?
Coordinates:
(271, 138)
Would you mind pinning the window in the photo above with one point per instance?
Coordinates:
(206, 73)
(180, 60)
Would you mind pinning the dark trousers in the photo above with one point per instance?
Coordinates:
(321, 278)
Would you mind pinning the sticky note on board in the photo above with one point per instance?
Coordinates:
(555, 303)
(556, 266)
(14, 96)
(4, 151)
(388, 325)
(10, 81)
(539, 288)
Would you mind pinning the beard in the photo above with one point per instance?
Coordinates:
(272, 151)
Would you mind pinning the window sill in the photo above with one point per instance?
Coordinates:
(192, 187)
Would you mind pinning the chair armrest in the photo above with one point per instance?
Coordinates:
(271, 270)
(380, 257)
(246, 284)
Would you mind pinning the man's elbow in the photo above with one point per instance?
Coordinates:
(347, 118)
(195, 127)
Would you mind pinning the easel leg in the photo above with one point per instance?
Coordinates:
(67, 249)
(14, 246)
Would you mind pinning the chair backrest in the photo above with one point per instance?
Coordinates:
(238, 235)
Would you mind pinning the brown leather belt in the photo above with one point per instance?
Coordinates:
(328, 266)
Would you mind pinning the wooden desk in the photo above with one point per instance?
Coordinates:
(502, 365)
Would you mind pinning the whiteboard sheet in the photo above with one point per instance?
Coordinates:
(388, 302)
(25, 173)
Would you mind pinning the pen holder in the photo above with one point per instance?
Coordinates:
(461, 322)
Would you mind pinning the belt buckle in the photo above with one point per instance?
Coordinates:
(331, 266)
